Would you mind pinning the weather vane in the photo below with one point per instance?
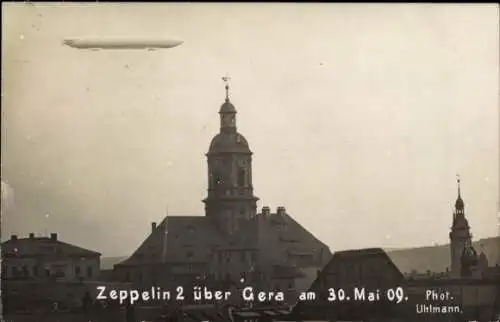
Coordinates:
(226, 80)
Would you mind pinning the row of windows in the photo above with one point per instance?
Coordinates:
(139, 277)
(242, 178)
(243, 256)
(152, 276)
(38, 272)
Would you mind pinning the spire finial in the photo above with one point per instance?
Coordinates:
(458, 184)
(226, 80)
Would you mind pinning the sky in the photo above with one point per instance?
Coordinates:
(359, 116)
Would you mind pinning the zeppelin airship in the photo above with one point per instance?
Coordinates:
(97, 44)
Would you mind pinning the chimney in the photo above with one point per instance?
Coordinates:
(32, 236)
(13, 237)
(280, 211)
(266, 211)
(53, 236)
(153, 227)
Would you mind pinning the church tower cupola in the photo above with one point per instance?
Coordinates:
(230, 199)
(227, 112)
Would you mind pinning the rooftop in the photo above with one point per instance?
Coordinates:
(42, 246)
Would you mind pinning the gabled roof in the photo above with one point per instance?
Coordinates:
(291, 237)
(43, 246)
(371, 268)
(188, 238)
(196, 239)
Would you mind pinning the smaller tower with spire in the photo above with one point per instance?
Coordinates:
(460, 235)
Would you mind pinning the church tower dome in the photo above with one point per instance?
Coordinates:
(230, 199)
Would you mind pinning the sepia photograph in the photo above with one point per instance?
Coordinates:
(248, 162)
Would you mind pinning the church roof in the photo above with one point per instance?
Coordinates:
(288, 237)
(196, 238)
(188, 238)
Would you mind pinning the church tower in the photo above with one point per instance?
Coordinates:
(460, 237)
(230, 201)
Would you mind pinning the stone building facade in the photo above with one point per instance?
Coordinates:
(38, 258)
(40, 271)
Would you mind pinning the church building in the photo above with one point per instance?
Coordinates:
(233, 241)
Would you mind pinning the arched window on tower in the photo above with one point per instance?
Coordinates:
(241, 177)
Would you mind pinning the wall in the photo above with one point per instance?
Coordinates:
(37, 267)
(71, 293)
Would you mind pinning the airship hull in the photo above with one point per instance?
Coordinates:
(121, 44)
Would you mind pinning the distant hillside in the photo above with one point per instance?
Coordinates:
(421, 259)
(437, 258)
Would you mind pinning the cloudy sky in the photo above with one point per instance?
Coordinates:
(359, 117)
